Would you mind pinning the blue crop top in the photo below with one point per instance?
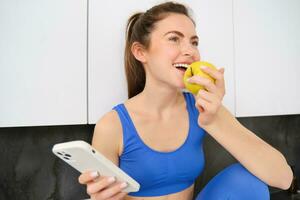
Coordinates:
(162, 173)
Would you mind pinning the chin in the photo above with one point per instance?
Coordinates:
(178, 83)
(180, 86)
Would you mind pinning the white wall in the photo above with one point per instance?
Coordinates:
(46, 77)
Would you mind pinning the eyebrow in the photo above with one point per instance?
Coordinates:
(181, 34)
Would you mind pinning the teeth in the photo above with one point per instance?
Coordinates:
(181, 65)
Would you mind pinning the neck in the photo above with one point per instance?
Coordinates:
(160, 99)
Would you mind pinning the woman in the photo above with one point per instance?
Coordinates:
(156, 135)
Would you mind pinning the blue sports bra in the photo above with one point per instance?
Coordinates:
(162, 173)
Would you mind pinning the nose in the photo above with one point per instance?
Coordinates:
(190, 50)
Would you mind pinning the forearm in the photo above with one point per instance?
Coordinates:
(257, 156)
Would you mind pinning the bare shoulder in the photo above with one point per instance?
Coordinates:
(107, 137)
(108, 125)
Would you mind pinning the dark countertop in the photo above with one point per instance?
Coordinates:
(284, 195)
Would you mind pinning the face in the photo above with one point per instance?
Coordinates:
(172, 42)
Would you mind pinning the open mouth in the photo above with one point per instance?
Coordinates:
(181, 66)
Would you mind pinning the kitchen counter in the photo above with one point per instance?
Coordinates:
(284, 195)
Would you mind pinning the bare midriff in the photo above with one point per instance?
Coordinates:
(186, 194)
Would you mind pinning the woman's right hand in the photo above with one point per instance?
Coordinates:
(102, 188)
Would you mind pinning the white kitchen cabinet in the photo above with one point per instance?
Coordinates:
(267, 57)
(46, 77)
(106, 75)
(43, 62)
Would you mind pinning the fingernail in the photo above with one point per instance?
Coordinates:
(123, 185)
(188, 80)
(111, 179)
(94, 174)
(203, 67)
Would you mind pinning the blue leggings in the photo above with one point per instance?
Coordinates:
(235, 183)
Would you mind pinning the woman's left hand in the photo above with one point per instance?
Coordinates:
(209, 101)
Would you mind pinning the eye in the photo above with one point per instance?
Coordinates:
(195, 43)
(174, 39)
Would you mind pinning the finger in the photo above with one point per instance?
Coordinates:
(100, 185)
(202, 104)
(118, 196)
(218, 75)
(205, 82)
(221, 82)
(222, 70)
(88, 176)
(208, 96)
(111, 191)
(199, 107)
(206, 106)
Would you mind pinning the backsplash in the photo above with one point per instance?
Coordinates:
(29, 169)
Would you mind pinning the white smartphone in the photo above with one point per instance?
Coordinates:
(83, 157)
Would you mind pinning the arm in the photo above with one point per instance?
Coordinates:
(107, 137)
(257, 156)
(107, 140)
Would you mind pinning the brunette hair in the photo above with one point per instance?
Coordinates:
(139, 26)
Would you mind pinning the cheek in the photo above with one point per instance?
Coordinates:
(197, 55)
(172, 53)
(165, 55)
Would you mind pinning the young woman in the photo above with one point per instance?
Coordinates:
(156, 136)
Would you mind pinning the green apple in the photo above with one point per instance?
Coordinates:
(195, 69)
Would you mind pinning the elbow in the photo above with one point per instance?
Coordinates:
(282, 176)
(286, 179)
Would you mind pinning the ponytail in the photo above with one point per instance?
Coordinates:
(134, 69)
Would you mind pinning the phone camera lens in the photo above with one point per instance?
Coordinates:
(59, 153)
(68, 155)
(67, 158)
(93, 151)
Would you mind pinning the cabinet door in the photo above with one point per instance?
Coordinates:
(43, 78)
(107, 21)
(267, 47)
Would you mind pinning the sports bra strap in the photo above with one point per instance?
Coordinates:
(190, 100)
(126, 122)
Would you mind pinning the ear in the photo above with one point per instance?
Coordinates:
(139, 52)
